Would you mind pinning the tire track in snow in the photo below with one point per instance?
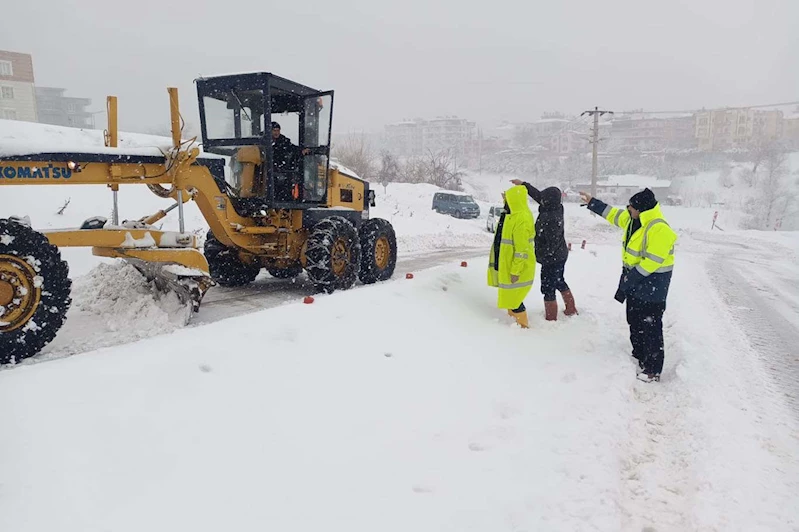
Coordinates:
(771, 335)
(710, 447)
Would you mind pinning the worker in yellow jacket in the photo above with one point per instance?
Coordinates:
(648, 260)
(511, 264)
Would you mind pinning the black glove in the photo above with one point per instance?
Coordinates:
(620, 296)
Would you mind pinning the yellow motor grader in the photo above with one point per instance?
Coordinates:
(268, 204)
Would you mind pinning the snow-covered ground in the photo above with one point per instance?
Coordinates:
(413, 404)
(441, 415)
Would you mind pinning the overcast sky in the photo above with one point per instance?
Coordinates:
(483, 60)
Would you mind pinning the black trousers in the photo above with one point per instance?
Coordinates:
(645, 319)
(552, 280)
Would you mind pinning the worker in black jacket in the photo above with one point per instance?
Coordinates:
(287, 159)
(551, 250)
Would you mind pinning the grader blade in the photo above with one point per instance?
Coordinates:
(189, 285)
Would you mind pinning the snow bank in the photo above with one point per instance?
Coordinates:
(114, 304)
(419, 228)
(25, 138)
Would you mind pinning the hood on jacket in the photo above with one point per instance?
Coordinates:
(516, 199)
(550, 198)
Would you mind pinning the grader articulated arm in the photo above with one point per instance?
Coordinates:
(171, 259)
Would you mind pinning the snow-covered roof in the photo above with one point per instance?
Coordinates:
(653, 116)
(343, 169)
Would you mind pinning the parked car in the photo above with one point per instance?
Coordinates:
(493, 218)
(457, 205)
(672, 199)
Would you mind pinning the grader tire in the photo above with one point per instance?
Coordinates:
(225, 266)
(285, 273)
(34, 292)
(378, 251)
(333, 255)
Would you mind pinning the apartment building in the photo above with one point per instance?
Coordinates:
(416, 137)
(59, 110)
(647, 132)
(17, 95)
(725, 129)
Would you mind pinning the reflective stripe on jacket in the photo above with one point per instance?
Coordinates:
(650, 249)
(516, 252)
(647, 250)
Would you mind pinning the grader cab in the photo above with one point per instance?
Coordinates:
(269, 204)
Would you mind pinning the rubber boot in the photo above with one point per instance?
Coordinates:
(551, 310)
(568, 300)
(521, 319)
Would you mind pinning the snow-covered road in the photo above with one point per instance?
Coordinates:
(759, 284)
(266, 292)
(112, 307)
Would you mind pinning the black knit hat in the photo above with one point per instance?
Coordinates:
(643, 201)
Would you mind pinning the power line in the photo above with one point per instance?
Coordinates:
(691, 111)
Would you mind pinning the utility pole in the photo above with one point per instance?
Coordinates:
(596, 113)
(480, 149)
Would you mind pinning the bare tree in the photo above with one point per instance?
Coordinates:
(759, 152)
(725, 177)
(765, 152)
(356, 152)
(524, 137)
(389, 169)
(441, 170)
(571, 170)
(708, 197)
(774, 198)
(773, 185)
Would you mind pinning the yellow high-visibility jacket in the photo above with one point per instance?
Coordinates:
(513, 251)
(647, 250)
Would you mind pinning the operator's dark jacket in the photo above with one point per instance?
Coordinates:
(550, 241)
(285, 153)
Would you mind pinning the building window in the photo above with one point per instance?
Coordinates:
(6, 68)
(7, 93)
(8, 114)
